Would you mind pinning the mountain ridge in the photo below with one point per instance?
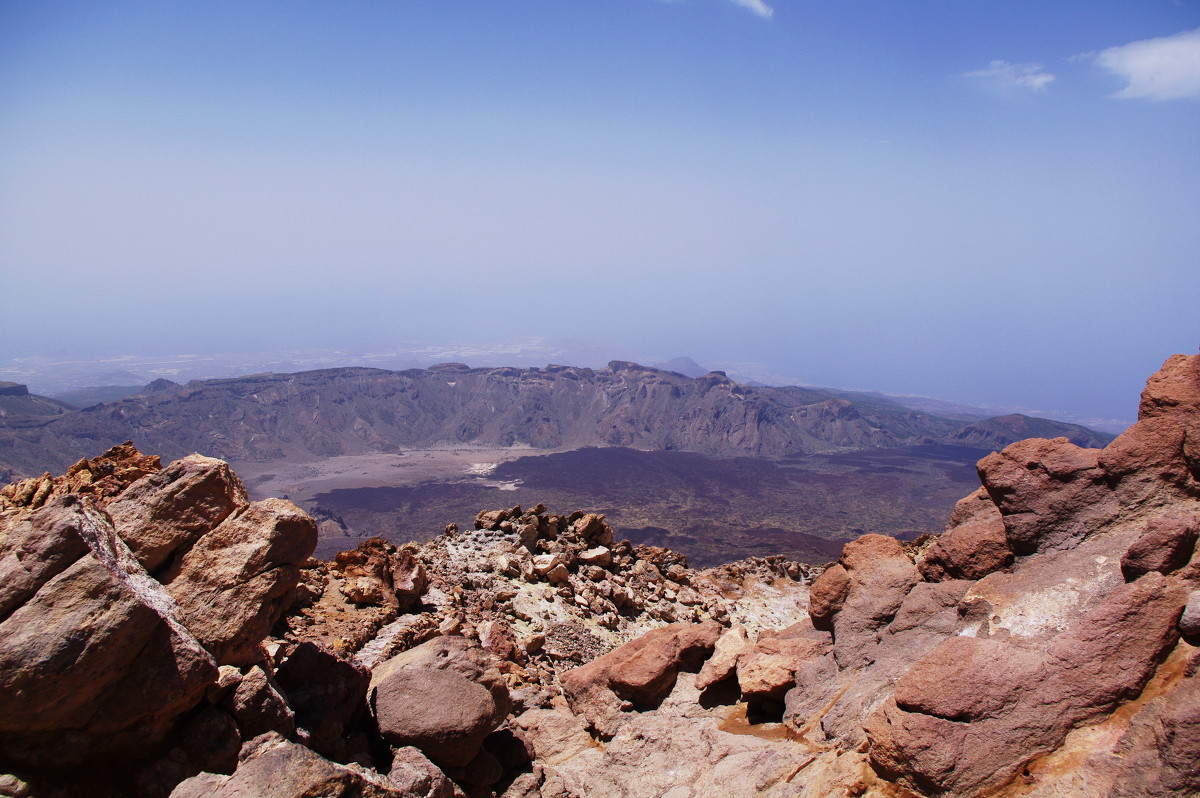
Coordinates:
(331, 412)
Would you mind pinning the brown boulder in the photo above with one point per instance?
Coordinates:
(1165, 546)
(37, 546)
(639, 674)
(974, 544)
(236, 581)
(272, 767)
(440, 712)
(166, 512)
(443, 696)
(96, 652)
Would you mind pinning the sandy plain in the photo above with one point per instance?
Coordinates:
(302, 481)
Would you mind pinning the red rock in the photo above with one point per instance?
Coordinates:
(827, 595)
(724, 661)
(768, 669)
(1165, 546)
(638, 674)
(1051, 493)
(366, 572)
(879, 575)
(974, 544)
(1159, 457)
(973, 711)
(236, 581)
(498, 638)
(166, 512)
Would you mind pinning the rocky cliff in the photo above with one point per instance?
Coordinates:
(159, 635)
(355, 410)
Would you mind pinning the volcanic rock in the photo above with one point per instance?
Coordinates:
(638, 674)
(272, 767)
(237, 580)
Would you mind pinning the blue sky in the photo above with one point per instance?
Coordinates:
(983, 200)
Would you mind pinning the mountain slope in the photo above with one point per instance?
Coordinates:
(356, 410)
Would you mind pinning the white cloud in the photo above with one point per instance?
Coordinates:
(1007, 76)
(757, 6)
(1166, 68)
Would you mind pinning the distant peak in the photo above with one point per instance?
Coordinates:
(161, 385)
(683, 365)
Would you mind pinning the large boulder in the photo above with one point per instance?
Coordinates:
(235, 582)
(637, 675)
(442, 697)
(91, 647)
(169, 510)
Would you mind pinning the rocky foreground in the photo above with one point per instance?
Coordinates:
(160, 635)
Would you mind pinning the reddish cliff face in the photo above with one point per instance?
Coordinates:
(160, 635)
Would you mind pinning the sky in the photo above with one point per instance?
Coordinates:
(988, 201)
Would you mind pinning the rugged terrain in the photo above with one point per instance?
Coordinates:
(716, 469)
(714, 510)
(334, 412)
(161, 634)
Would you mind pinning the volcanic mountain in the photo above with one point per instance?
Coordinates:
(331, 412)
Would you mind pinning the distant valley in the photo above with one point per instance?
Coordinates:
(710, 466)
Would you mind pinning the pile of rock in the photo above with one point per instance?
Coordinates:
(129, 594)
(159, 633)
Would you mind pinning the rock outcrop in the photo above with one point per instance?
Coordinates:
(103, 661)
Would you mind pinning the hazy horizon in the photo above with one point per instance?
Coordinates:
(991, 203)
